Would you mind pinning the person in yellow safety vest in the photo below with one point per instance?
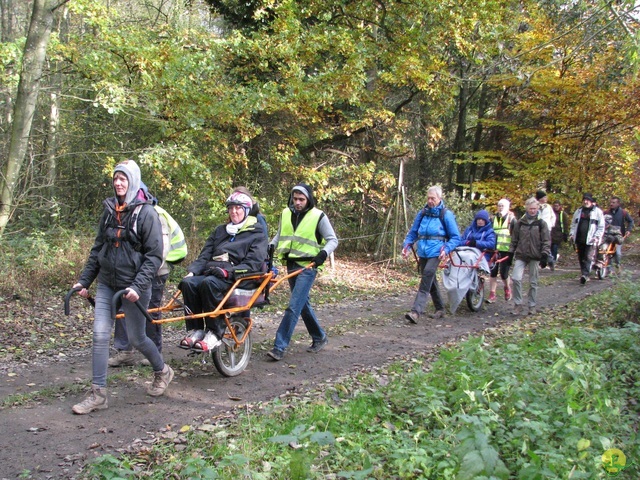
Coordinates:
(304, 235)
(174, 250)
(559, 232)
(503, 224)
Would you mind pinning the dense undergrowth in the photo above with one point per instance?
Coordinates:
(537, 400)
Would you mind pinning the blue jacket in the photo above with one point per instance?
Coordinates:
(485, 237)
(429, 232)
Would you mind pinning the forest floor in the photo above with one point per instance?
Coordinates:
(41, 438)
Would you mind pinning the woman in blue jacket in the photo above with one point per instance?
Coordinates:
(480, 234)
(436, 232)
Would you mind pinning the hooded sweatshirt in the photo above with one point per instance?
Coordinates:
(119, 257)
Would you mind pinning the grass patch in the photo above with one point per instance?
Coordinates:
(543, 402)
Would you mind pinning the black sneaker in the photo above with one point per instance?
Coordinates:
(583, 279)
(319, 345)
(277, 355)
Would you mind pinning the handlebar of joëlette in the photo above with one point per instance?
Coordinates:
(67, 309)
(116, 301)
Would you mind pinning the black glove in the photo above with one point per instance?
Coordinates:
(544, 261)
(219, 272)
(471, 243)
(320, 258)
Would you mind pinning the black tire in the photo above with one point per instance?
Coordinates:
(475, 298)
(231, 359)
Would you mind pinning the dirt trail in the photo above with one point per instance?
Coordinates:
(51, 442)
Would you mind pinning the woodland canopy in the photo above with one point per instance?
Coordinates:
(491, 99)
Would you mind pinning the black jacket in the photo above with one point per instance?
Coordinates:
(126, 259)
(247, 250)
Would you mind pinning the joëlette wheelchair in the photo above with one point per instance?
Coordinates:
(232, 357)
(602, 263)
(475, 295)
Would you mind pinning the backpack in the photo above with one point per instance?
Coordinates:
(177, 244)
(423, 212)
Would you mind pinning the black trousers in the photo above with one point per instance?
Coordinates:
(585, 257)
(203, 294)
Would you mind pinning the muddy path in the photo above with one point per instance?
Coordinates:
(50, 442)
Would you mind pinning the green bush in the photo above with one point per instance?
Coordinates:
(42, 259)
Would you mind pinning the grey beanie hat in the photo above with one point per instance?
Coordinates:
(132, 171)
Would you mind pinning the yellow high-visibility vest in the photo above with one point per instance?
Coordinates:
(301, 244)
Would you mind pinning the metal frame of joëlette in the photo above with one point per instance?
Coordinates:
(266, 280)
(448, 260)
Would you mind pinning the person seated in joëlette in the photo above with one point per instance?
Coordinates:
(480, 234)
(239, 246)
(612, 234)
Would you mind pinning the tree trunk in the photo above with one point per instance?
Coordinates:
(459, 142)
(477, 139)
(54, 123)
(33, 60)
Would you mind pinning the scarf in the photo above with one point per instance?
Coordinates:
(233, 229)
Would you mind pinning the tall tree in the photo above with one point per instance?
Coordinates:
(25, 105)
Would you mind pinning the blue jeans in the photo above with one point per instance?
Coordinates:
(135, 324)
(154, 330)
(299, 305)
(618, 256)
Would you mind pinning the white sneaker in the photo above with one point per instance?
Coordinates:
(208, 343)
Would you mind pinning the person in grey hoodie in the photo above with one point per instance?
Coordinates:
(126, 255)
(305, 235)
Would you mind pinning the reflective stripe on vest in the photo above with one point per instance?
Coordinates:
(503, 235)
(302, 243)
(177, 242)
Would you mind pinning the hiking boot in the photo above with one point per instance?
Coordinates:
(161, 381)
(517, 309)
(276, 354)
(412, 316)
(319, 345)
(192, 337)
(437, 314)
(552, 267)
(492, 297)
(507, 293)
(124, 358)
(96, 400)
(532, 310)
(208, 343)
(583, 279)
